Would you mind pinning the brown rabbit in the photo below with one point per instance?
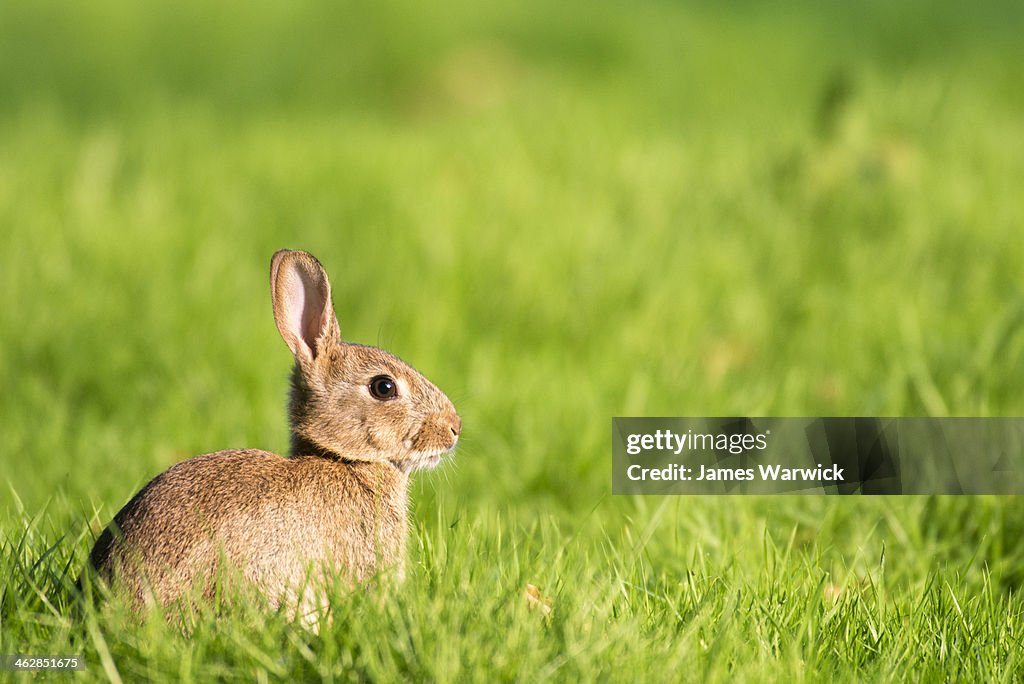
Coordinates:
(361, 420)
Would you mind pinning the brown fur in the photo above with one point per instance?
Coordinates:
(338, 504)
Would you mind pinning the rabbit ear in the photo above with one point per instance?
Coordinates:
(302, 304)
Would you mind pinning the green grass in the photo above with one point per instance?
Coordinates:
(559, 216)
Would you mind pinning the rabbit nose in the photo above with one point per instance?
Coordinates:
(455, 425)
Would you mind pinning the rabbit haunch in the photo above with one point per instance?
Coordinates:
(338, 503)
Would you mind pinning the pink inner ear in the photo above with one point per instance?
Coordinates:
(304, 304)
(313, 315)
(295, 304)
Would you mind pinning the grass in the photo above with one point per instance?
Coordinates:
(560, 216)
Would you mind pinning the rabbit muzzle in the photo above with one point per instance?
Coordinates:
(436, 436)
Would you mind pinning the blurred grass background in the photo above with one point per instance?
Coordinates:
(559, 213)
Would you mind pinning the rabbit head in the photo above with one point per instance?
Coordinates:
(352, 401)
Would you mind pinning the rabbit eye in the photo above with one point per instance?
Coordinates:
(383, 387)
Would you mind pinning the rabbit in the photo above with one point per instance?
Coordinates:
(361, 421)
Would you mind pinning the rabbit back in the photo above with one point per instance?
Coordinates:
(274, 519)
